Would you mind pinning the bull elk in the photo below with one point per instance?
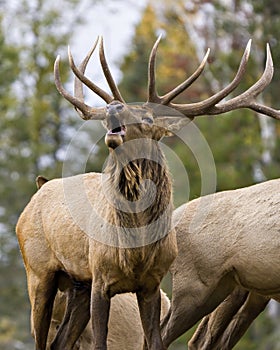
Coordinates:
(231, 253)
(114, 229)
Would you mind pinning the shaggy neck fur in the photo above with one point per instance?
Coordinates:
(141, 187)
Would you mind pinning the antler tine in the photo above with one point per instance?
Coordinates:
(246, 99)
(266, 78)
(100, 92)
(152, 92)
(261, 84)
(183, 86)
(87, 112)
(113, 86)
(78, 86)
(200, 108)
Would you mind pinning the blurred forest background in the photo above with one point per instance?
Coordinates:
(37, 124)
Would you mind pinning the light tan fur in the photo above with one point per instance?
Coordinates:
(223, 328)
(226, 240)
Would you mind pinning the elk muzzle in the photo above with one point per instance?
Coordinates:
(116, 127)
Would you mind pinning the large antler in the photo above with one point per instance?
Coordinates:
(85, 111)
(210, 106)
(213, 104)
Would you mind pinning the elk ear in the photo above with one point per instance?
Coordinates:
(171, 124)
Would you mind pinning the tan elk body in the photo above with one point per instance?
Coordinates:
(55, 230)
(114, 229)
(226, 240)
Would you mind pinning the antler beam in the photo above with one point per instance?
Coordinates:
(213, 104)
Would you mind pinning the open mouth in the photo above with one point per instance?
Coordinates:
(119, 130)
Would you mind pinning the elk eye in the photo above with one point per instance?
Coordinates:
(147, 120)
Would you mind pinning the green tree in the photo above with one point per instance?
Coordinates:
(35, 129)
(134, 82)
(9, 70)
(36, 122)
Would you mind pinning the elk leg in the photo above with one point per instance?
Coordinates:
(42, 291)
(76, 317)
(213, 325)
(191, 304)
(253, 306)
(100, 308)
(149, 308)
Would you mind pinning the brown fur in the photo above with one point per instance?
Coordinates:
(75, 225)
(226, 240)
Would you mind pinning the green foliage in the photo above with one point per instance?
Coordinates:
(35, 129)
(33, 114)
(135, 63)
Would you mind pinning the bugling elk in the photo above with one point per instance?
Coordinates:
(114, 229)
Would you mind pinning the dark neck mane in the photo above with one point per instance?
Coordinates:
(142, 186)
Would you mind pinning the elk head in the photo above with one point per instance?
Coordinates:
(158, 117)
